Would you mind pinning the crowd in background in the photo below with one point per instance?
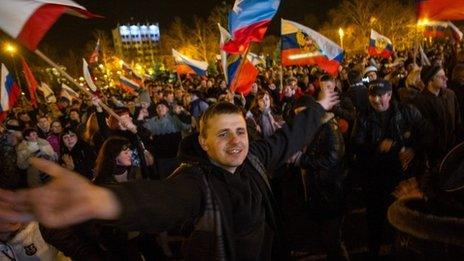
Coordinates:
(396, 120)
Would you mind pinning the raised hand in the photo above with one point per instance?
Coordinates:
(327, 99)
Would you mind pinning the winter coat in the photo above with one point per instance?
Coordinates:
(253, 232)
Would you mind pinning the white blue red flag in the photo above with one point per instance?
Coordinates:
(302, 45)
(379, 45)
(9, 90)
(186, 65)
(29, 20)
(248, 22)
(88, 76)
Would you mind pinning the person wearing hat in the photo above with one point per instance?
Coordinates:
(439, 106)
(388, 143)
(371, 73)
(166, 130)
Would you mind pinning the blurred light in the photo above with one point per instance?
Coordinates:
(81, 79)
(341, 33)
(423, 22)
(101, 66)
(10, 48)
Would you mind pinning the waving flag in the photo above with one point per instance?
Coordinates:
(440, 9)
(48, 93)
(69, 93)
(87, 76)
(302, 45)
(187, 65)
(9, 90)
(248, 22)
(223, 38)
(380, 45)
(29, 20)
(95, 54)
(435, 29)
(241, 79)
(32, 84)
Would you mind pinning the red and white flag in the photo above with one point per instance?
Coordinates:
(29, 20)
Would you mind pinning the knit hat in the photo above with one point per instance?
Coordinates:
(379, 87)
(427, 73)
(369, 69)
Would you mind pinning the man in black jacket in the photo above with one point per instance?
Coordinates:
(388, 142)
(227, 193)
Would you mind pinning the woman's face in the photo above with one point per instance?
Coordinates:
(124, 158)
(69, 140)
(264, 102)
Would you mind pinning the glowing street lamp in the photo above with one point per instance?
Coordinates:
(10, 48)
(341, 33)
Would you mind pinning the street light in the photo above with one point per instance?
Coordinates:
(10, 48)
(341, 33)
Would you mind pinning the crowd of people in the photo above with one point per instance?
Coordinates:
(193, 157)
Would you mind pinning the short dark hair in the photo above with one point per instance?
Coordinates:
(28, 131)
(216, 109)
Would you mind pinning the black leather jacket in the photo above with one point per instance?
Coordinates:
(324, 178)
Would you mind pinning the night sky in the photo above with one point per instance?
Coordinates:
(72, 32)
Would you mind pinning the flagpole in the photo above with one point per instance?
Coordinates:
(240, 67)
(281, 76)
(71, 79)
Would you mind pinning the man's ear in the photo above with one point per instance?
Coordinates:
(202, 142)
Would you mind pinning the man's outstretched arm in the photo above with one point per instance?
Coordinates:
(71, 199)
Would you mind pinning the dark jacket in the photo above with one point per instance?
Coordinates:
(324, 161)
(442, 113)
(248, 214)
(84, 156)
(405, 127)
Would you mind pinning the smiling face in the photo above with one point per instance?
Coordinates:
(225, 140)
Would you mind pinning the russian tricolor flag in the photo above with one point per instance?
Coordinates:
(29, 20)
(380, 45)
(440, 9)
(302, 45)
(9, 90)
(248, 22)
(187, 65)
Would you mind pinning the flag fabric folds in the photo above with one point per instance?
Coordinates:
(87, 76)
(302, 45)
(47, 92)
(94, 57)
(224, 36)
(29, 20)
(32, 83)
(9, 90)
(440, 9)
(187, 65)
(379, 45)
(128, 85)
(248, 22)
(69, 93)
